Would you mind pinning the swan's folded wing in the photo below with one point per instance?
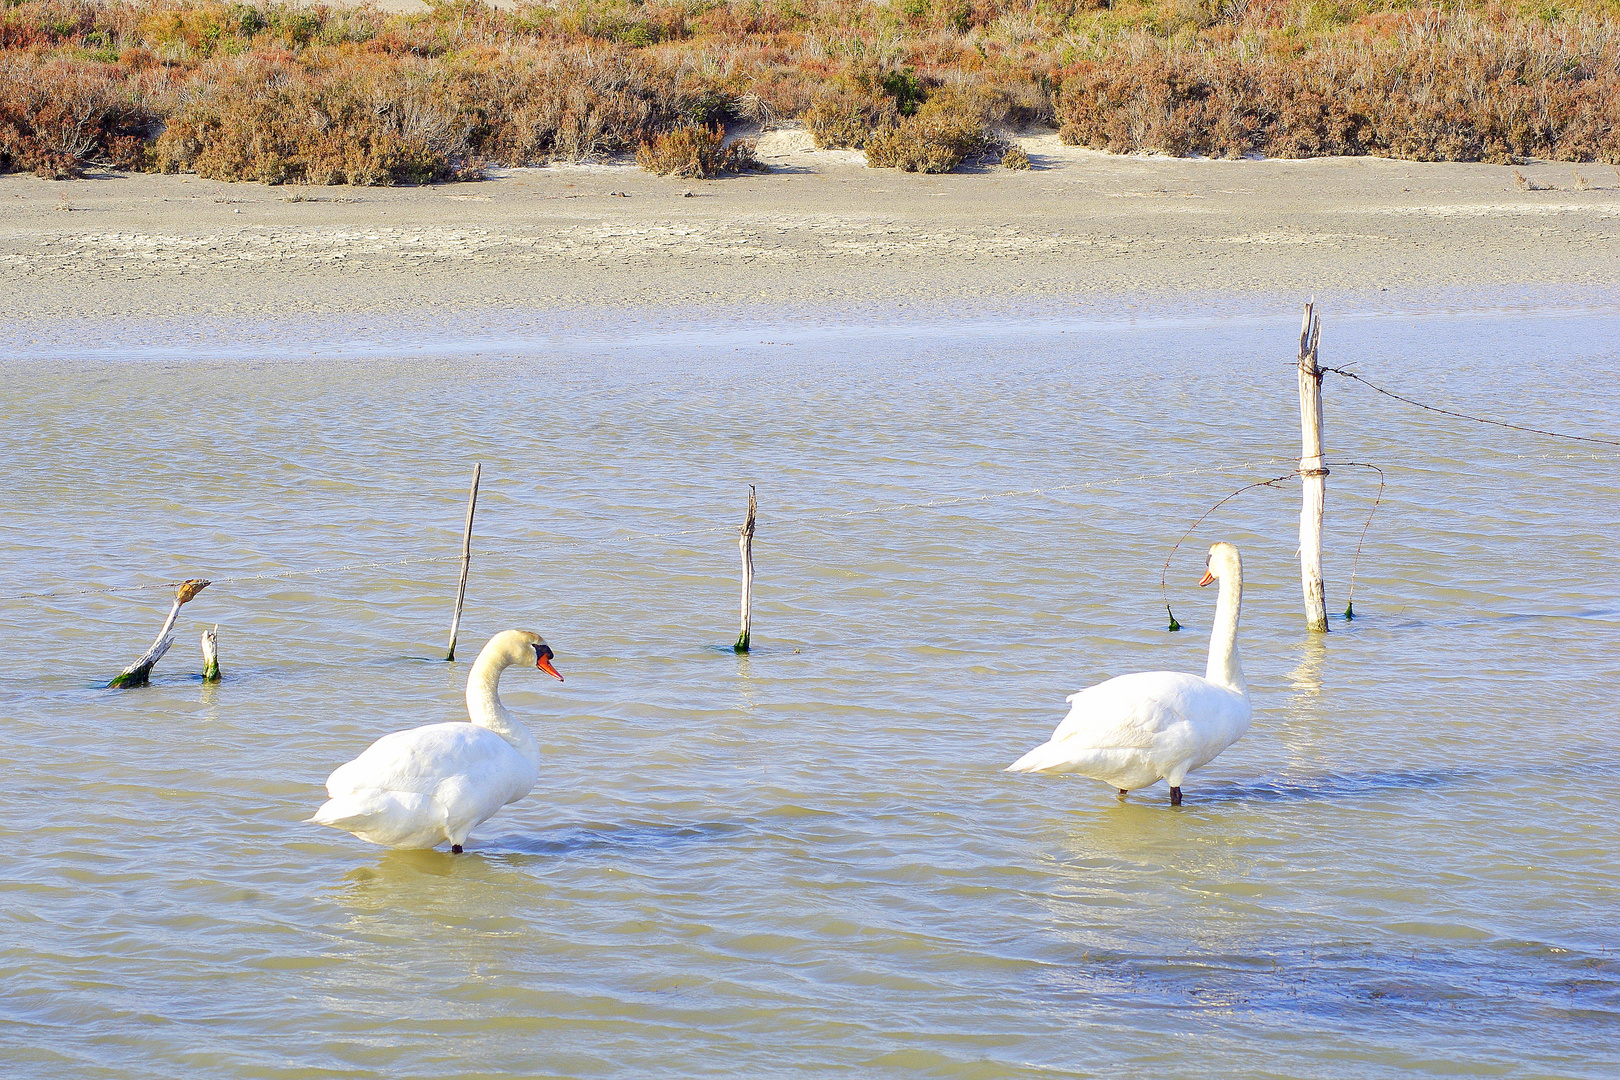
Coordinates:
(417, 760)
(1128, 711)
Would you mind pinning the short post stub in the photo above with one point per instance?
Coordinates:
(466, 560)
(1313, 474)
(210, 651)
(745, 545)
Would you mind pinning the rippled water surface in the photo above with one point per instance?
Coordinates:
(808, 860)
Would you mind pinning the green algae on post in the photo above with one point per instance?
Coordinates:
(1174, 626)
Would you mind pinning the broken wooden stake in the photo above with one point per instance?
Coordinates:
(466, 560)
(140, 672)
(745, 544)
(210, 651)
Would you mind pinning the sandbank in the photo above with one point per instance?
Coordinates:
(819, 230)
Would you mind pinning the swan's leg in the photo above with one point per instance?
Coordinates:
(455, 849)
(1175, 796)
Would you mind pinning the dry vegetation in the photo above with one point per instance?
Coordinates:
(696, 151)
(278, 93)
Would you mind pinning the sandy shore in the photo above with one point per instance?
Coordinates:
(820, 229)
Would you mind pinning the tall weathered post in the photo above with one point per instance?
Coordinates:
(466, 561)
(745, 544)
(1313, 475)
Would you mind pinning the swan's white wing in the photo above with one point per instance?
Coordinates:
(1126, 729)
(421, 759)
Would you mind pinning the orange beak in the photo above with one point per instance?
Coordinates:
(1205, 580)
(544, 664)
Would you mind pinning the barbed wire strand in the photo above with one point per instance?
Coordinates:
(1468, 416)
(807, 519)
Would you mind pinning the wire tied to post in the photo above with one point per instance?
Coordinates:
(1355, 563)
(1164, 576)
(1467, 416)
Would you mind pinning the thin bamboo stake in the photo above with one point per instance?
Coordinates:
(1313, 474)
(210, 651)
(745, 544)
(140, 672)
(466, 560)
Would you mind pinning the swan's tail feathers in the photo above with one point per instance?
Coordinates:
(391, 818)
(344, 812)
(1048, 755)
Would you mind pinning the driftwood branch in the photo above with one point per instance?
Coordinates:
(140, 672)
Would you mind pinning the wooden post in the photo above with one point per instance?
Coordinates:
(466, 561)
(1313, 476)
(745, 544)
(210, 651)
(140, 672)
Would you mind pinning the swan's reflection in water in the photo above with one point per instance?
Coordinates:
(400, 882)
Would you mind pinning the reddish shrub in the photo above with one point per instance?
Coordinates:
(59, 117)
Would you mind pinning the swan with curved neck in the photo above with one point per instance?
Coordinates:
(432, 785)
(1135, 730)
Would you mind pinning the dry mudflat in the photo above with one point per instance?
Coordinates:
(820, 229)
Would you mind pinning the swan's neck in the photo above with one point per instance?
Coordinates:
(1224, 666)
(484, 706)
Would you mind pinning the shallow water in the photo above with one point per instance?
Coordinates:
(808, 860)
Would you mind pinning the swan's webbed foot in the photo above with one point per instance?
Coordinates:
(455, 849)
(1175, 796)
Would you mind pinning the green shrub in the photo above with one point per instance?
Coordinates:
(844, 119)
(696, 152)
(944, 133)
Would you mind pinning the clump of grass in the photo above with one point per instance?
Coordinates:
(1524, 183)
(944, 132)
(1014, 157)
(696, 151)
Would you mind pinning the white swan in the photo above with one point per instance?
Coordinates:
(1135, 730)
(423, 787)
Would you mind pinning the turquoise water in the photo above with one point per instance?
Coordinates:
(807, 860)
